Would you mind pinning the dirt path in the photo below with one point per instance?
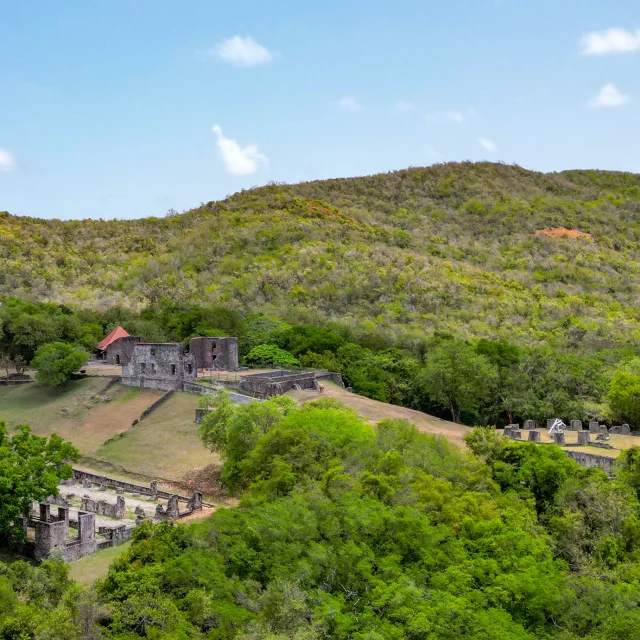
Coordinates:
(374, 411)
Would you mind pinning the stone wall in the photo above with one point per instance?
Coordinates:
(215, 353)
(277, 383)
(156, 404)
(121, 351)
(104, 508)
(592, 460)
(164, 367)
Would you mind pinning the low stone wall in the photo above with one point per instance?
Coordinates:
(156, 404)
(10, 383)
(277, 383)
(593, 461)
(332, 377)
(104, 508)
(112, 383)
(85, 476)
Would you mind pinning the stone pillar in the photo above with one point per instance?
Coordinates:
(575, 425)
(594, 427)
(584, 437)
(173, 511)
(534, 436)
(529, 425)
(86, 526)
(160, 513)
(45, 512)
(507, 432)
(514, 426)
(603, 430)
(558, 439)
(154, 489)
(195, 504)
(48, 537)
(120, 510)
(516, 435)
(63, 515)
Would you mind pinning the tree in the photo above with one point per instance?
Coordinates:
(214, 426)
(456, 377)
(270, 355)
(30, 469)
(56, 362)
(624, 397)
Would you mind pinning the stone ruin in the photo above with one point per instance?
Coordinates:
(162, 366)
(50, 535)
(217, 354)
(276, 383)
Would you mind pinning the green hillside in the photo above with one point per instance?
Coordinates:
(451, 247)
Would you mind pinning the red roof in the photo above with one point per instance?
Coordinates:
(116, 334)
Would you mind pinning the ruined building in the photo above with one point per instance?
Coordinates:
(117, 347)
(163, 366)
(215, 353)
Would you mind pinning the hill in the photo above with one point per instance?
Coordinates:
(472, 249)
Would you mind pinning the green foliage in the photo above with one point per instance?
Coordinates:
(57, 362)
(456, 377)
(624, 397)
(270, 355)
(30, 469)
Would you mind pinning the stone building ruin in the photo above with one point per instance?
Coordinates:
(117, 347)
(163, 366)
(218, 354)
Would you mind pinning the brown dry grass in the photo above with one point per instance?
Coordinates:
(374, 411)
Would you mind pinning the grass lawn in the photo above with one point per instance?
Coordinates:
(164, 445)
(90, 568)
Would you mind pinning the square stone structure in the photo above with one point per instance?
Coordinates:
(163, 366)
(215, 353)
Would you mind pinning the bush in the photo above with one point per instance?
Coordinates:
(269, 355)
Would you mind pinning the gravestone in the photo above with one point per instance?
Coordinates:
(516, 435)
(534, 436)
(584, 437)
(575, 425)
(558, 438)
(621, 430)
(529, 425)
(594, 427)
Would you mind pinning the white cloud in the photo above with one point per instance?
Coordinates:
(609, 96)
(244, 52)
(7, 161)
(404, 106)
(349, 103)
(449, 116)
(239, 161)
(601, 43)
(488, 144)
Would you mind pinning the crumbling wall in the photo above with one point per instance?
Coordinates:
(104, 508)
(121, 350)
(164, 367)
(592, 461)
(277, 383)
(215, 353)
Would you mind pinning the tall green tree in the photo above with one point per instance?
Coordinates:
(30, 469)
(56, 362)
(458, 378)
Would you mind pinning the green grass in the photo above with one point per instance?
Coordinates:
(90, 568)
(165, 444)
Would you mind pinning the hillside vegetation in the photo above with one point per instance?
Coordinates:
(483, 293)
(450, 247)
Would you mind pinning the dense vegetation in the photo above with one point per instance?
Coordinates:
(30, 469)
(347, 532)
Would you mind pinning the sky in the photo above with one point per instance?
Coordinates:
(121, 109)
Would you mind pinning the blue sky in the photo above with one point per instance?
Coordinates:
(108, 107)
